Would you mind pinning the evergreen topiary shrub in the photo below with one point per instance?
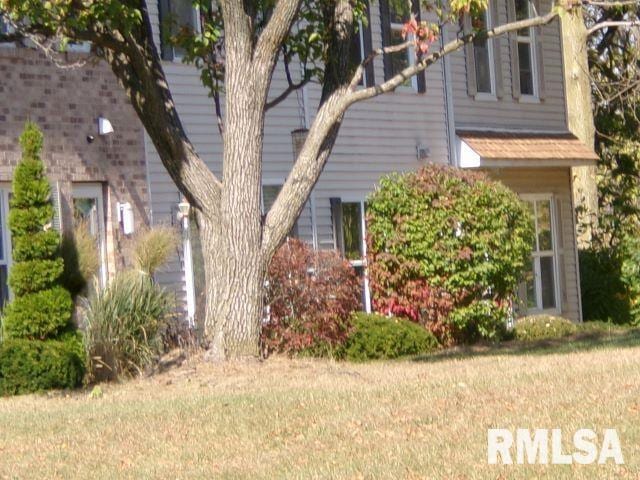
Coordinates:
(447, 249)
(377, 337)
(40, 348)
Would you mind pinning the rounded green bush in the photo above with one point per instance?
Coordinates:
(37, 246)
(378, 337)
(38, 315)
(28, 366)
(542, 327)
(447, 249)
(34, 275)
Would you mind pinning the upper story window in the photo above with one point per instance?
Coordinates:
(361, 48)
(526, 50)
(174, 16)
(483, 56)
(393, 15)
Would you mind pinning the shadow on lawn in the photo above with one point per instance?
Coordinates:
(589, 339)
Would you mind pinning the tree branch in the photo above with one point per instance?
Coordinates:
(613, 23)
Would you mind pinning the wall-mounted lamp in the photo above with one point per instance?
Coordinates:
(422, 152)
(183, 211)
(125, 217)
(298, 137)
(104, 126)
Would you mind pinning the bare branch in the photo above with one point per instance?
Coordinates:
(613, 4)
(288, 91)
(613, 23)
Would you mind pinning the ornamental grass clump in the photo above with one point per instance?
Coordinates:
(447, 248)
(41, 348)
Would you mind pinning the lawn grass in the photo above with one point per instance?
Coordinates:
(419, 418)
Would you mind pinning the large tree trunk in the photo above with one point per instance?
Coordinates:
(234, 294)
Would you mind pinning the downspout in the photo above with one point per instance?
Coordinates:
(448, 104)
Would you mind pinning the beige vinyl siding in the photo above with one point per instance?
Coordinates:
(548, 115)
(377, 137)
(556, 181)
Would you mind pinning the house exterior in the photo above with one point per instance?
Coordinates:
(498, 106)
(92, 176)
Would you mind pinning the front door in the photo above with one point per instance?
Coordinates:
(88, 211)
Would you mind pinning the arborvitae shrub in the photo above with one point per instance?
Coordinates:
(40, 349)
(378, 337)
(34, 365)
(311, 296)
(447, 248)
(39, 315)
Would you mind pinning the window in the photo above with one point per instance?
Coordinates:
(269, 194)
(88, 212)
(483, 57)
(5, 247)
(175, 15)
(350, 228)
(540, 288)
(526, 50)
(358, 53)
(394, 14)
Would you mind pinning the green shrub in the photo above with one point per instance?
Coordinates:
(630, 276)
(541, 327)
(604, 293)
(123, 323)
(39, 315)
(378, 337)
(40, 348)
(33, 365)
(35, 275)
(447, 249)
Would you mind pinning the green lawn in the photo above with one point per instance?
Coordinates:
(420, 418)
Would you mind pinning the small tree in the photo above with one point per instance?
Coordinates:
(41, 349)
(446, 249)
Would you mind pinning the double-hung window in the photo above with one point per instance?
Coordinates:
(175, 16)
(350, 232)
(393, 15)
(361, 48)
(540, 290)
(483, 57)
(526, 46)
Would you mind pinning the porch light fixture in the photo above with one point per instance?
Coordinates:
(104, 126)
(298, 137)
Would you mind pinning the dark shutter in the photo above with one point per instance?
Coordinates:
(539, 55)
(336, 220)
(497, 54)
(385, 25)
(470, 59)
(421, 80)
(368, 47)
(164, 22)
(513, 51)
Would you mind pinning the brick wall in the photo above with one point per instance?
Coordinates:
(66, 104)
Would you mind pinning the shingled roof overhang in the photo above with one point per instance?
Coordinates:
(521, 149)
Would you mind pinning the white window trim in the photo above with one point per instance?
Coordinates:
(411, 55)
(95, 190)
(489, 96)
(195, 23)
(533, 55)
(5, 190)
(363, 261)
(362, 57)
(555, 254)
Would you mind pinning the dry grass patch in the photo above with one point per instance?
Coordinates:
(318, 419)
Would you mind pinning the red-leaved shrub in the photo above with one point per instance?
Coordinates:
(310, 297)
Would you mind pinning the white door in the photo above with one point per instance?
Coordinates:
(88, 208)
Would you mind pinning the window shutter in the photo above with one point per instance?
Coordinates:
(164, 22)
(55, 201)
(497, 54)
(386, 37)
(421, 79)
(368, 47)
(336, 219)
(470, 61)
(539, 55)
(513, 51)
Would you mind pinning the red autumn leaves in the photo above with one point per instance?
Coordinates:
(421, 33)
